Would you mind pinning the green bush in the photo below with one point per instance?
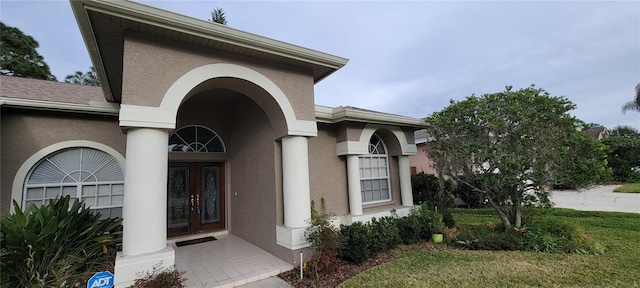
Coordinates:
(384, 234)
(555, 235)
(426, 189)
(356, 238)
(57, 244)
(430, 221)
(409, 229)
(324, 239)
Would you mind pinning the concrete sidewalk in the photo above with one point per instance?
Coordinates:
(600, 198)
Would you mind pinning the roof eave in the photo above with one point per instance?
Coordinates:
(339, 114)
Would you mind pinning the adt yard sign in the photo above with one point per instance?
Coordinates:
(102, 279)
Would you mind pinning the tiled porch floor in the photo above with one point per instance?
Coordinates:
(227, 262)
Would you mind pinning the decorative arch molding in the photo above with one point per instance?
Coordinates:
(165, 115)
(22, 173)
(361, 146)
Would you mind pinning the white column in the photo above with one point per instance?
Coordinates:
(353, 182)
(295, 181)
(405, 181)
(144, 211)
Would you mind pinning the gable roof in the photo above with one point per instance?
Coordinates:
(103, 25)
(597, 132)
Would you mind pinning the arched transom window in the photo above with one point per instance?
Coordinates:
(195, 138)
(374, 172)
(82, 173)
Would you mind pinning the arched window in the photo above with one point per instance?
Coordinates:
(374, 172)
(195, 138)
(82, 173)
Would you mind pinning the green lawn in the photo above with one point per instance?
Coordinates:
(619, 267)
(628, 188)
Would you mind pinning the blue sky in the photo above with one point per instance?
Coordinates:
(410, 58)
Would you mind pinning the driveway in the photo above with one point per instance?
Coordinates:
(600, 198)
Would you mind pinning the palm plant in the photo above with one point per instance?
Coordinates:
(217, 16)
(633, 105)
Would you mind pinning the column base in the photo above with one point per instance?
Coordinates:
(129, 268)
(291, 238)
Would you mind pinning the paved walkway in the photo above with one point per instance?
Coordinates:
(600, 198)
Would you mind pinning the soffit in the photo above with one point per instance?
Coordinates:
(103, 25)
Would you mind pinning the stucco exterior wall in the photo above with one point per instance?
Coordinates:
(253, 178)
(151, 65)
(328, 172)
(26, 132)
(421, 160)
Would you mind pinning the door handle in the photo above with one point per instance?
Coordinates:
(198, 203)
(191, 203)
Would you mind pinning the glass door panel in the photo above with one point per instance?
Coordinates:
(178, 196)
(210, 194)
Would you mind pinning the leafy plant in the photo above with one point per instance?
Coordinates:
(384, 234)
(161, 277)
(57, 244)
(323, 237)
(356, 238)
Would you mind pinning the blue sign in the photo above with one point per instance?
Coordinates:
(102, 279)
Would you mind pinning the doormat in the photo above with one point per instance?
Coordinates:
(195, 241)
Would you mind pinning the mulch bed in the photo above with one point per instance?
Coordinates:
(344, 270)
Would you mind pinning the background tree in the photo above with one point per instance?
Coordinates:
(625, 131)
(635, 104)
(89, 78)
(624, 158)
(18, 55)
(513, 144)
(217, 16)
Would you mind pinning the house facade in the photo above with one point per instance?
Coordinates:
(198, 128)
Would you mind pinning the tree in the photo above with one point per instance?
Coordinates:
(89, 78)
(625, 131)
(633, 105)
(18, 55)
(624, 158)
(513, 144)
(217, 16)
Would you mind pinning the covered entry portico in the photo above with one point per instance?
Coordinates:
(167, 71)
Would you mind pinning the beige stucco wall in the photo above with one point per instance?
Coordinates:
(151, 66)
(26, 132)
(328, 172)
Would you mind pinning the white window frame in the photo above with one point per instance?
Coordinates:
(78, 186)
(375, 153)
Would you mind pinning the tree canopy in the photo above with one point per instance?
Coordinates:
(511, 145)
(217, 16)
(89, 78)
(18, 55)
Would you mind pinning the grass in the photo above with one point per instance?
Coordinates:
(628, 188)
(618, 267)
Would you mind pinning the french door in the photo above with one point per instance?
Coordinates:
(195, 198)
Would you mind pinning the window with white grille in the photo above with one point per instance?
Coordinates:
(195, 138)
(88, 174)
(374, 173)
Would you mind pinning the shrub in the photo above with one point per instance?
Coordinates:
(384, 234)
(57, 244)
(161, 277)
(488, 237)
(430, 221)
(554, 235)
(447, 219)
(323, 237)
(409, 229)
(426, 189)
(356, 238)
